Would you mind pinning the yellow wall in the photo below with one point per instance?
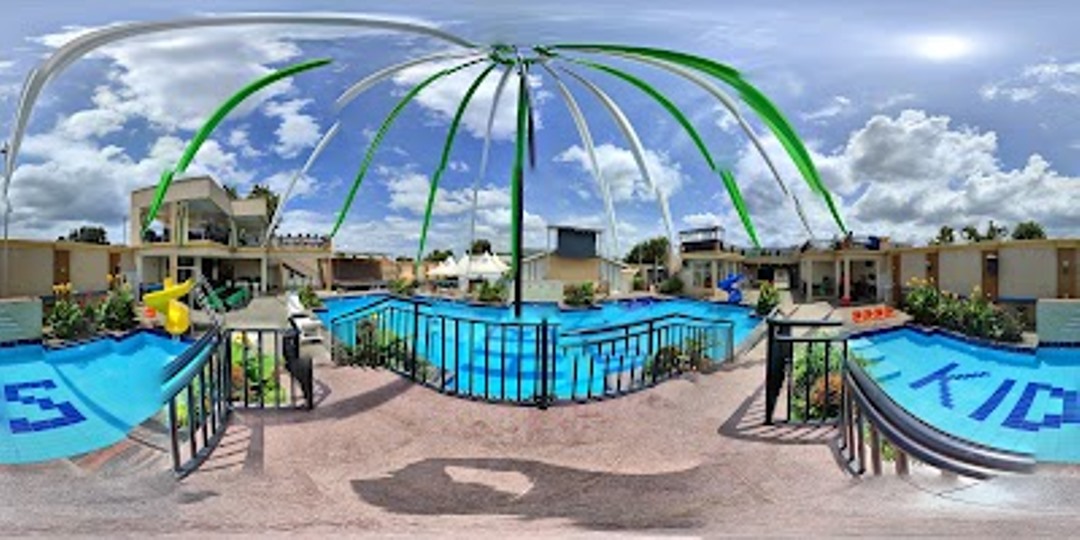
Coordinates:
(960, 270)
(573, 270)
(31, 270)
(912, 265)
(1027, 272)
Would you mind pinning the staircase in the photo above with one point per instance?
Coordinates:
(201, 295)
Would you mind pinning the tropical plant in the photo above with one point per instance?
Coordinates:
(579, 295)
(653, 250)
(638, 282)
(946, 235)
(768, 299)
(308, 298)
(89, 235)
(672, 285)
(492, 292)
(68, 319)
(816, 382)
(974, 316)
(439, 255)
(480, 247)
(118, 309)
(1028, 230)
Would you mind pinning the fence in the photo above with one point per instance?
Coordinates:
(524, 362)
(803, 371)
(227, 370)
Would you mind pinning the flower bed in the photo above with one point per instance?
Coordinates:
(973, 316)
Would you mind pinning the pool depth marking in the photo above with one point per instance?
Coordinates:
(943, 376)
(14, 393)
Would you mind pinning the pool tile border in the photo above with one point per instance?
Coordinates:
(935, 330)
(116, 338)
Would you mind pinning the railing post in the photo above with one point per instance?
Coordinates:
(542, 396)
(415, 338)
(775, 363)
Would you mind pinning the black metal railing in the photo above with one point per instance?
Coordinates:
(196, 399)
(803, 371)
(524, 362)
(267, 370)
(872, 421)
(227, 370)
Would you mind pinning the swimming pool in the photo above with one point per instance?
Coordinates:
(1023, 400)
(66, 402)
(485, 352)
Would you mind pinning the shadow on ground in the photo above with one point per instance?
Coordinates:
(533, 490)
(747, 423)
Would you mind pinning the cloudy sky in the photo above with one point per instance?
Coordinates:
(917, 115)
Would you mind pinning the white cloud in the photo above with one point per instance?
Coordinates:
(1035, 81)
(239, 140)
(92, 123)
(6, 65)
(621, 173)
(837, 106)
(305, 186)
(701, 220)
(894, 100)
(444, 96)
(459, 166)
(297, 131)
(912, 173)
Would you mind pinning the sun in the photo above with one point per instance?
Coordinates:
(940, 48)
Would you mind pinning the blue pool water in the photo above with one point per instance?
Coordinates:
(501, 361)
(1020, 400)
(61, 403)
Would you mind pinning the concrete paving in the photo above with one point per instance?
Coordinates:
(380, 456)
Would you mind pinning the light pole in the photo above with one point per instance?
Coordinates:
(7, 218)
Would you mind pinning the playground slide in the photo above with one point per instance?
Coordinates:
(728, 285)
(177, 315)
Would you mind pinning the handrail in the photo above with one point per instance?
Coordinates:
(185, 358)
(659, 318)
(924, 442)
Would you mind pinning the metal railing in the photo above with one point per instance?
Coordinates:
(803, 371)
(872, 421)
(227, 370)
(523, 362)
(820, 383)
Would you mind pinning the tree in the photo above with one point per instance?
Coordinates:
(1028, 230)
(995, 232)
(971, 234)
(946, 235)
(272, 199)
(653, 250)
(230, 190)
(480, 247)
(89, 235)
(438, 255)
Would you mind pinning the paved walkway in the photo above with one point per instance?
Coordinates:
(380, 456)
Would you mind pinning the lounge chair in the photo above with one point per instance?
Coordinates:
(309, 326)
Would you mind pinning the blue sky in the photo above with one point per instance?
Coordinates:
(917, 115)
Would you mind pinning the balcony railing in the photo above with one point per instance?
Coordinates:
(301, 241)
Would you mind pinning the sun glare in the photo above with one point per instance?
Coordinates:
(942, 47)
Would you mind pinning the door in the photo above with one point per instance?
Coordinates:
(1066, 269)
(932, 267)
(114, 264)
(990, 274)
(896, 285)
(61, 266)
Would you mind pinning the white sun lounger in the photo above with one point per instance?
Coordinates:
(310, 327)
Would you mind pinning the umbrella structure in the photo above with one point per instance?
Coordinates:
(512, 64)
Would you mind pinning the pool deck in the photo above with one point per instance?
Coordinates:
(382, 457)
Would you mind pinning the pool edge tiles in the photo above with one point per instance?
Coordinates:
(1002, 397)
(66, 402)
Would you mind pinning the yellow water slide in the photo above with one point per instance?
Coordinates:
(177, 314)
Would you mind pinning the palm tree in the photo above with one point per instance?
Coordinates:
(272, 198)
(995, 232)
(1028, 230)
(946, 235)
(971, 234)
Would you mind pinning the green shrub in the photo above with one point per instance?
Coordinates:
(308, 298)
(672, 285)
(768, 299)
(492, 293)
(811, 387)
(579, 295)
(638, 283)
(69, 320)
(973, 316)
(118, 310)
